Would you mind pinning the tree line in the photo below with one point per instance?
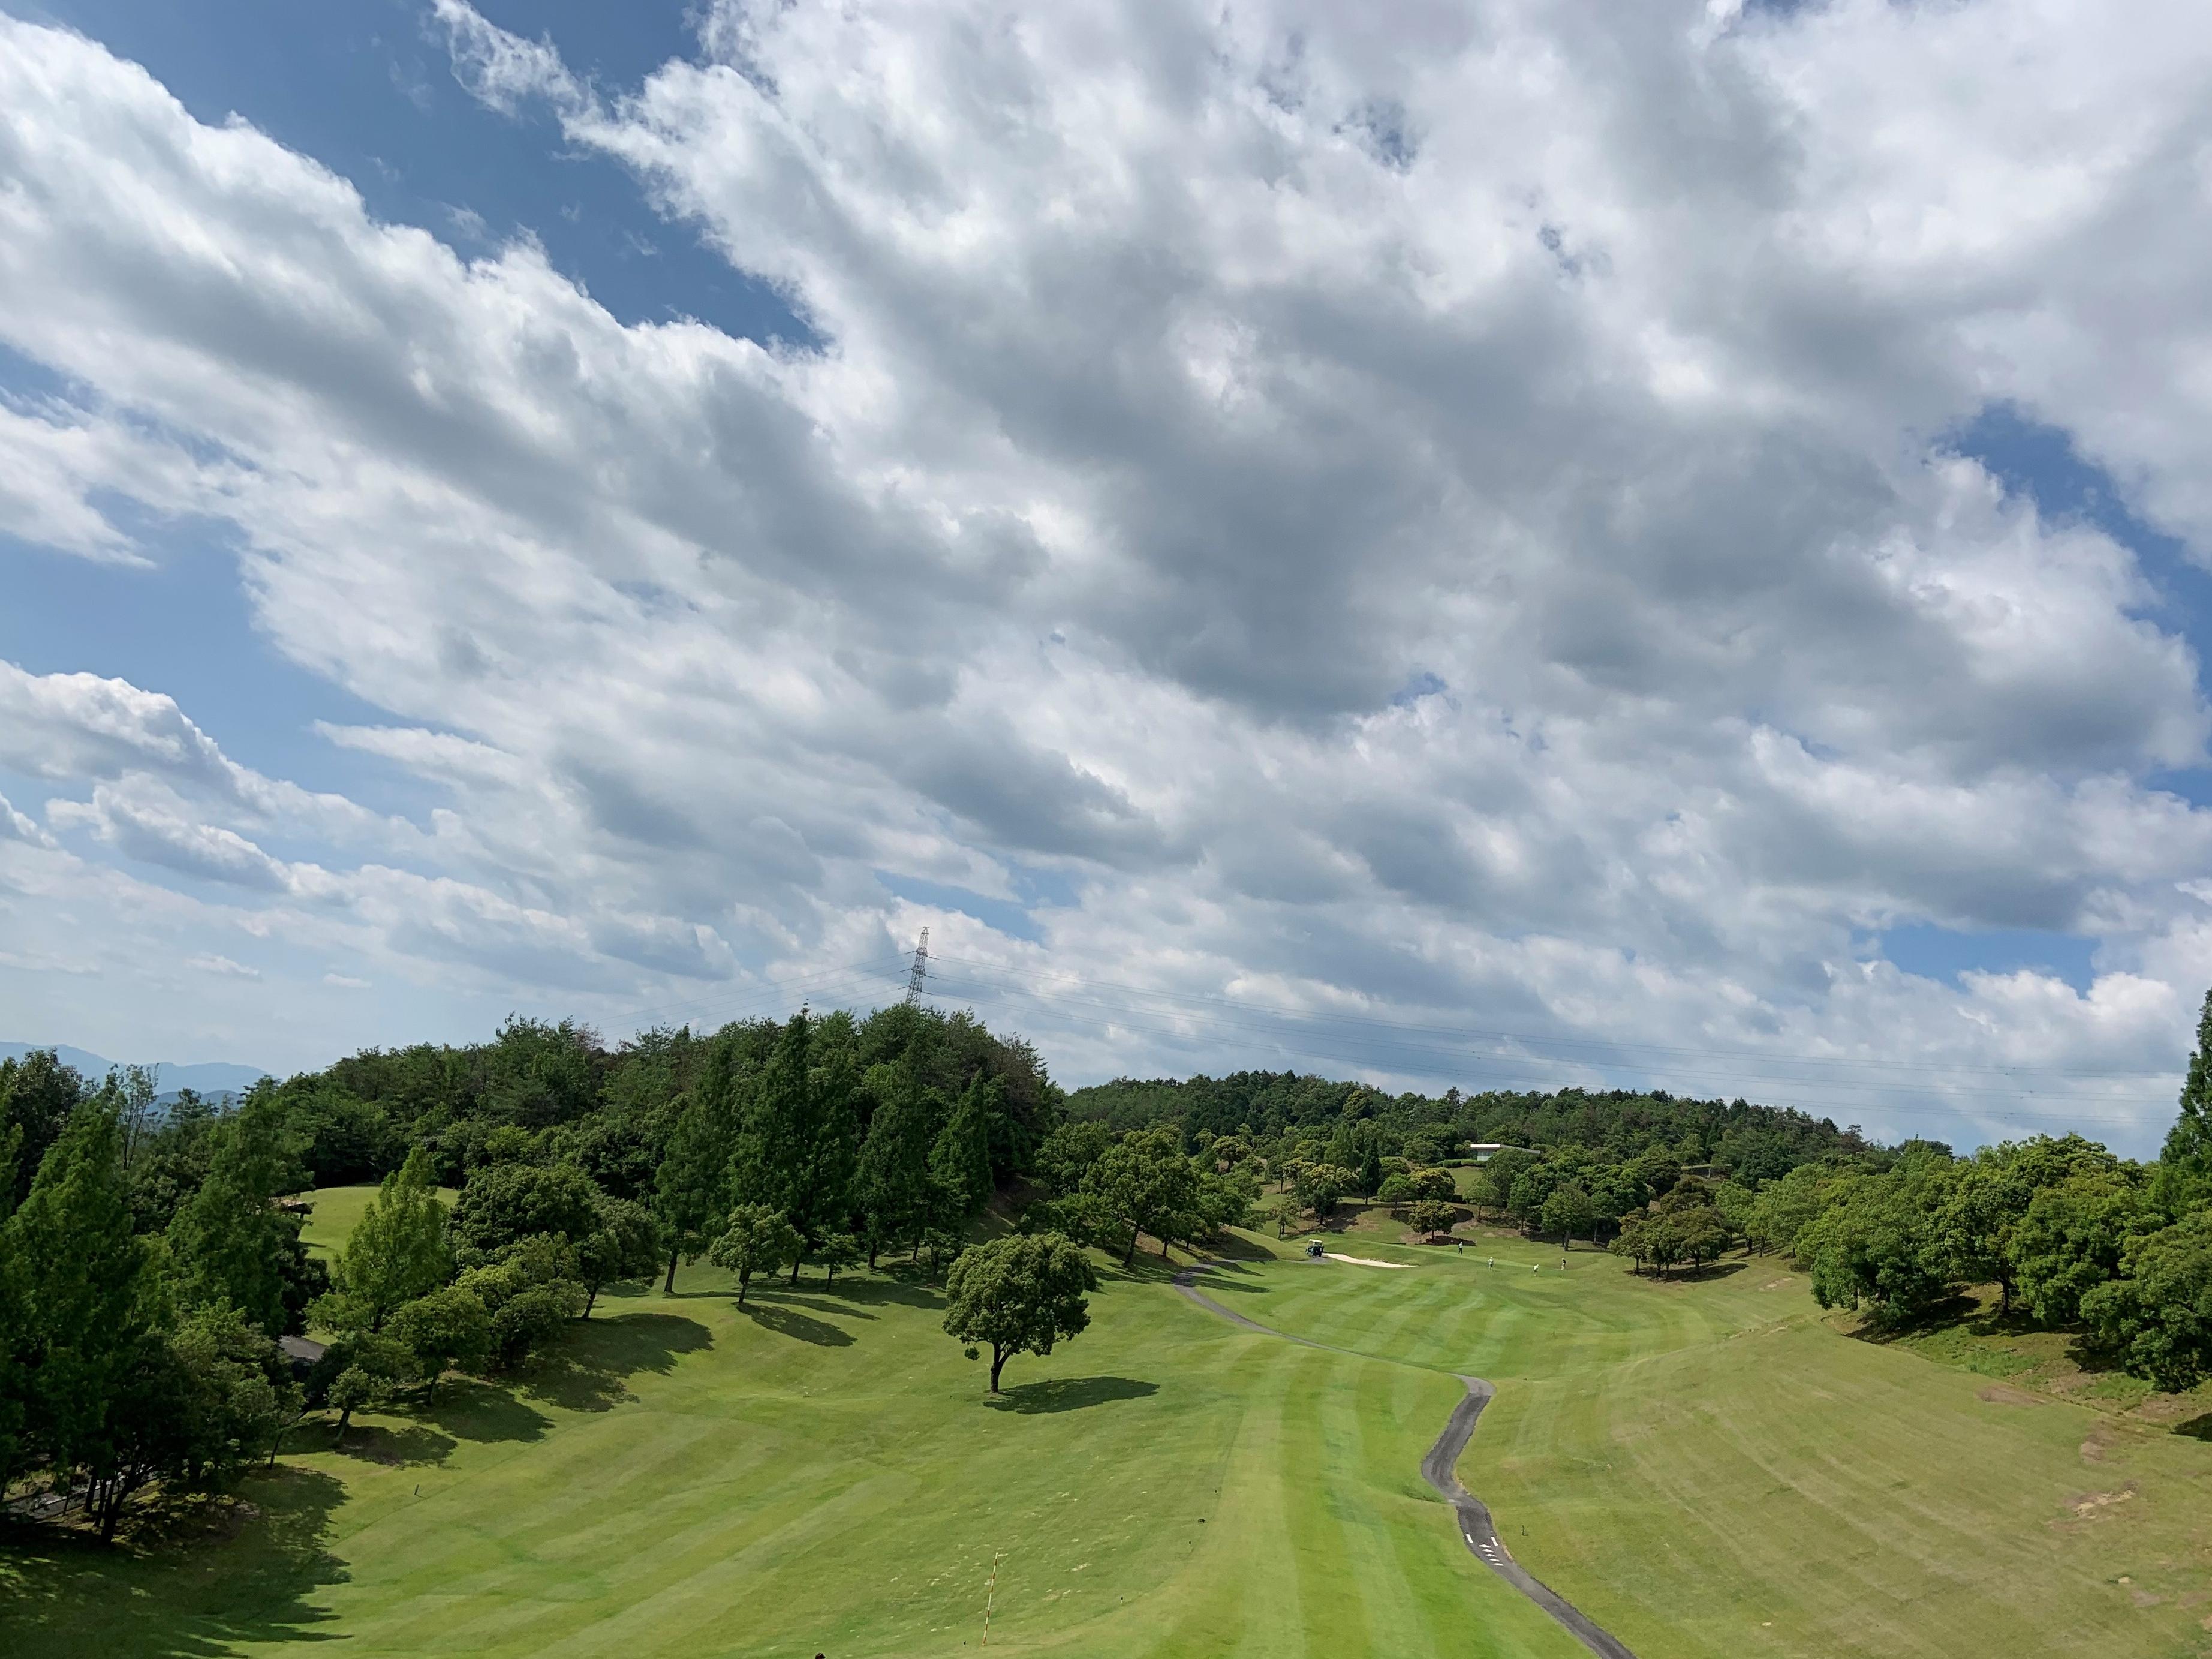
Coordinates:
(151, 1261)
(1285, 1115)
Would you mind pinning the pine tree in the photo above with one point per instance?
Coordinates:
(775, 1141)
(893, 1186)
(14, 1316)
(690, 1189)
(826, 1191)
(2189, 1143)
(960, 1161)
(800, 1138)
(230, 1242)
(91, 1297)
(1370, 1165)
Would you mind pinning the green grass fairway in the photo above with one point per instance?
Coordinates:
(1704, 1468)
(1710, 1468)
(820, 1472)
(335, 1211)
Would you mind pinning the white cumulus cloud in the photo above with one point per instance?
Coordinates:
(1453, 518)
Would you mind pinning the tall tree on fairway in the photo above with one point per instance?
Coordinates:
(1148, 1184)
(1569, 1212)
(758, 1240)
(799, 1136)
(505, 1204)
(1020, 1294)
(625, 1245)
(447, 1329)
(825, 1196)
(776, 1134)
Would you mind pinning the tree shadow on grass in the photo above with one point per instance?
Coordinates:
(1232, 1276)
(785, 1296)
(1149, 1269)
(378, 1443)
(469, 1408)
(192, 1583)
(2197, 1428)
(905, 1283)
(1951, 1313)
(1234, 1247)
(1071, 1393)
(1706, 1274)
(590, 1368)
(790, 1322)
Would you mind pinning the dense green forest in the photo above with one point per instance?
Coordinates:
(151, 1259)
(1756, 1142)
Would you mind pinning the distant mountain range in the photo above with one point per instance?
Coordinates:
(212, 1077)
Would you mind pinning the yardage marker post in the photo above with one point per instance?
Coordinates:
(991, 1590)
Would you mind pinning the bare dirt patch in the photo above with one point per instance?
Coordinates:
(1365, 1261)
(1999, 1394)
(2090, 1504)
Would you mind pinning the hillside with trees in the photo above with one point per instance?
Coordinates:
(152, 1262)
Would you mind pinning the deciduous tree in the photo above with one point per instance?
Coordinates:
(2158, 1315)
(1567, 1211)
(449, 1329)
(1019, 1295)
(757, 1240)
(625, 1245)
(507, 1203)
(398, 1250)
(1147, 1184)
(691, 1186)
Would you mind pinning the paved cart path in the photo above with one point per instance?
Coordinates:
(1437, 1469)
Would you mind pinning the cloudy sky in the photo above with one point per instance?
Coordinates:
(1505, 543)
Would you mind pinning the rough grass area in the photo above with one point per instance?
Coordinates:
(1974, 1336)
(1706, 1467)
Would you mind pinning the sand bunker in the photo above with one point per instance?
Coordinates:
(1364, 1261)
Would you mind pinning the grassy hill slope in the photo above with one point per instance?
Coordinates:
(1706, 1468)
(1714, 1468)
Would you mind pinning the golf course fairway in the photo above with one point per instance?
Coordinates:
(1704, 1468)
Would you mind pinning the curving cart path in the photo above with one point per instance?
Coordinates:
(1437, 1469)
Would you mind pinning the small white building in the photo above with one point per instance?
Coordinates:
(1481, 1151)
